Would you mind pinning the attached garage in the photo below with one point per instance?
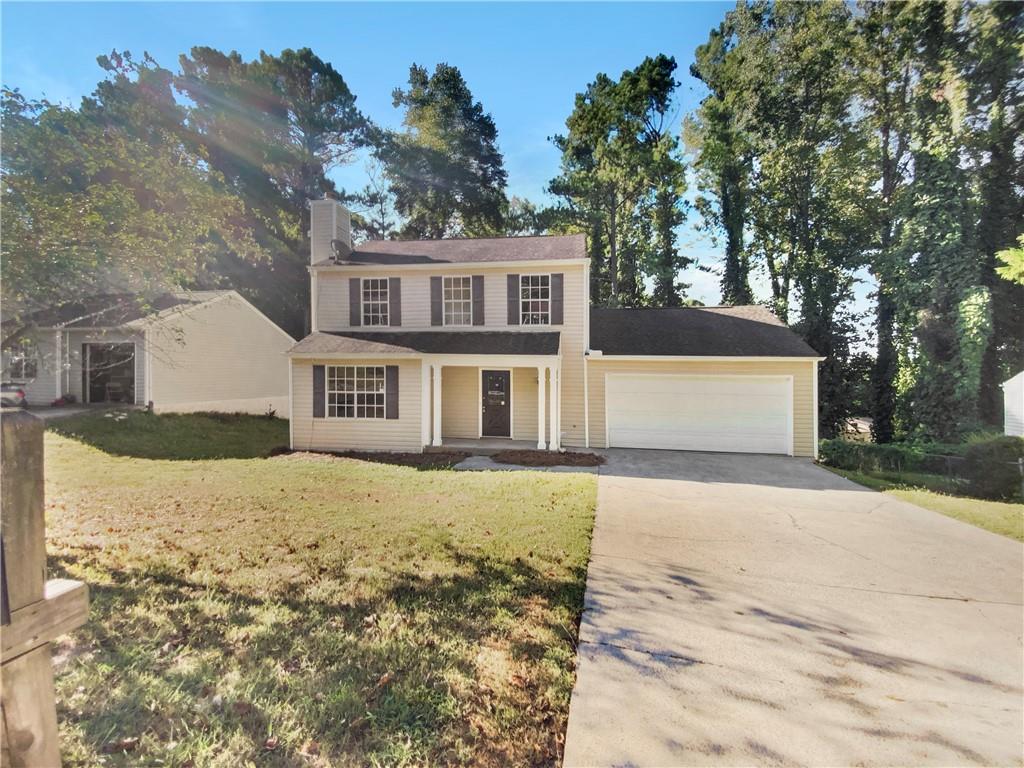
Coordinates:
(735, 414)
(722, 379)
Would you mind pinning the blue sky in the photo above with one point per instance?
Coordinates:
(523, 61)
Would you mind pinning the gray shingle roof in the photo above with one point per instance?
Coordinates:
(429, 342)
(744, 331)
(465, 250)
(115, 309)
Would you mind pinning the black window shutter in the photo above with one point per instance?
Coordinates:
(436, 301)
(513, 299)
(394, 301)
(319, 391)
(391, 391)
(355, 302)
(556, 298)
(478, 299)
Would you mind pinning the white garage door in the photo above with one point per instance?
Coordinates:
(742, 414)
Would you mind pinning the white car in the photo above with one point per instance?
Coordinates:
(12, 395)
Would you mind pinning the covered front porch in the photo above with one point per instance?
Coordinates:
(491, 402)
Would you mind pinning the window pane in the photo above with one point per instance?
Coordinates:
(355, 391)
(458, 301)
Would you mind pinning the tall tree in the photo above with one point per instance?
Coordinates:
(995, 94)
(883, 84)
(646, 103)
(722, 162)
(807, 188)
(445, 170)
(622, 180)
(110, 197)
(274, 127)
(954, 319)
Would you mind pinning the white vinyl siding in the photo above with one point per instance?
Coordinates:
(460, 402)
(333, 312)
(401, 434)
(220, 356)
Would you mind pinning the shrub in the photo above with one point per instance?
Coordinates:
(871, 457)
(991, 468)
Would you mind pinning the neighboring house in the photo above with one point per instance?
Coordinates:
(189, 351)
(435, 342)
(1013, 405)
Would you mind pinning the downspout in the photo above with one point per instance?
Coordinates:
(586, 399)
(586, 356)
(149, 369)
(58, 366)
(67, 364)
(814, 365)
(313, 289)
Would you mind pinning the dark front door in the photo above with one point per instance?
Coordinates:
(497, 404)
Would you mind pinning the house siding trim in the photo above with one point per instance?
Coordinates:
(455, 265)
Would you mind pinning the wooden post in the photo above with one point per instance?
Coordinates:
(35, 610)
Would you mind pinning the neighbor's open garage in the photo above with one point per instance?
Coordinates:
(737, 414)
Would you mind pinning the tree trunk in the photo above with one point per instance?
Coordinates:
(883, 375)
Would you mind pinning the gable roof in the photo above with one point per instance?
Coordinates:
(115, 309)
(429, 342)
(742, 331)
(464, 250)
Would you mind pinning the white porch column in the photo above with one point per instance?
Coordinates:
(425, 403)
(541, 443)
(437, 404)
(554, 445)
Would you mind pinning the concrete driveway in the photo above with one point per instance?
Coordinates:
(760, 610)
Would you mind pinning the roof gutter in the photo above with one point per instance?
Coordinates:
(596, 353)
(461, 265)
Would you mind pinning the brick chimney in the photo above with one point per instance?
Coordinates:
(329, 220)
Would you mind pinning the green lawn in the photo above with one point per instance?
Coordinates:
(999, 517)
(305, 610)
(177, 436)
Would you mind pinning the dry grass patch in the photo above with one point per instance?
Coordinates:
(306, 612)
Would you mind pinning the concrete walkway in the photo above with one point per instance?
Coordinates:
(755, 610)
(53, 413)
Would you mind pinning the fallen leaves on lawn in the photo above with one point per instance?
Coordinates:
(121, 745)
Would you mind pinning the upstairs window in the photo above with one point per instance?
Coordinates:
(535, 299)
(21, 360)
(355, 391)
(458, 301)
(375, 301)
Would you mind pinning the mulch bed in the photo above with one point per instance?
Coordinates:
(548, 458)
(418, 460)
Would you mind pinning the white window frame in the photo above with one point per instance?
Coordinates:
(382, 306)
(24, 351)
(523, 313)
(355, 392)
(445, 300)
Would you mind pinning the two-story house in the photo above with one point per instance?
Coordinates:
(437, 342)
